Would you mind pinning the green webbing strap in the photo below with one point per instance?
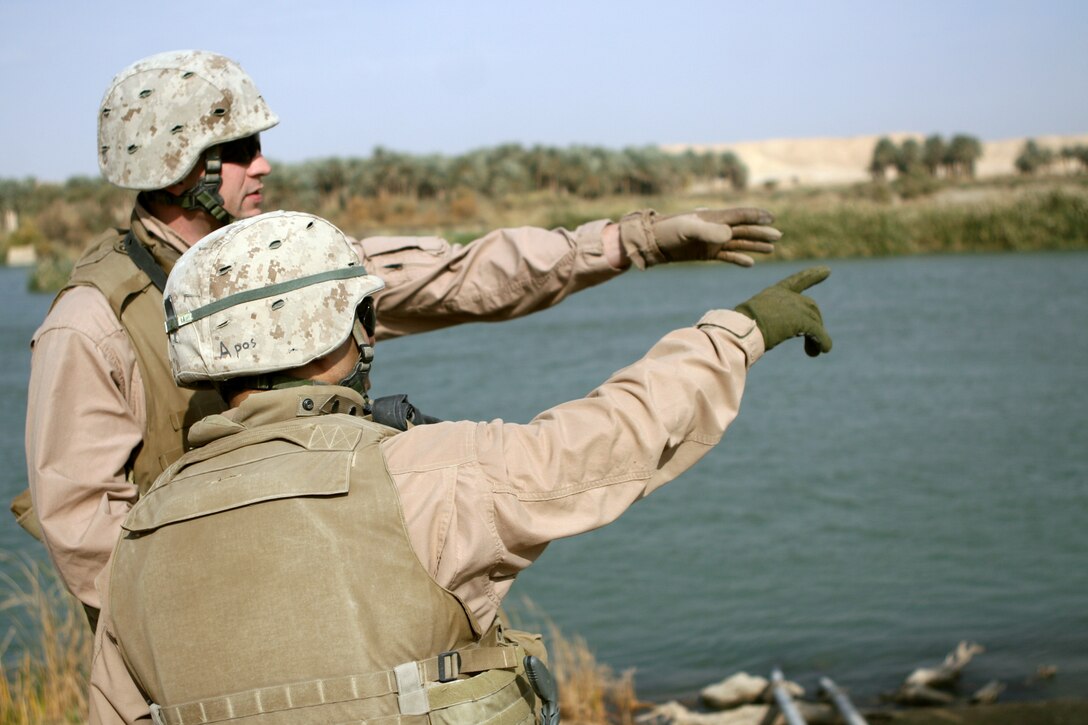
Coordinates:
(176, 322)
(204, 196)
(144, 261)
(279, 698)
(313, 693)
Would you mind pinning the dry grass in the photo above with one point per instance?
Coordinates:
(590, 693)
(862, 220)
(46, 683)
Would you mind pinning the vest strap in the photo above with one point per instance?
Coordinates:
(406, 681)
(448, 665)
(144, 261)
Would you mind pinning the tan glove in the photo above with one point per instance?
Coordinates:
(714, 234)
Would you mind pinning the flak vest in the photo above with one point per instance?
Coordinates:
(268, 578)
(137, 303)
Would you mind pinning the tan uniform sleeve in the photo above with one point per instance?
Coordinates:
(483, 500)
(84, 418)
(114, 696)
(431, 284)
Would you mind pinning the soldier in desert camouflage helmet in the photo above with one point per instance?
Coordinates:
(235, 326)
(164, 115)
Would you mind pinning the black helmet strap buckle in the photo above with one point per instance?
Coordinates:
(205, 195)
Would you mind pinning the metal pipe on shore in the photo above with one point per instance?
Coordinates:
(783, 699)
(842, 702)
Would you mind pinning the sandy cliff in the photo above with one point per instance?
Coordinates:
(814, 161)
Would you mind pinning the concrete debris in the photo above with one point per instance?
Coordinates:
(988, 693)
(742, 689)
(949, 670)
(922, 695)
(673, 713)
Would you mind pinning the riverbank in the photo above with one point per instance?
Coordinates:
(941, 694)
(1053, 712)
(1056, 712)
(908, 216)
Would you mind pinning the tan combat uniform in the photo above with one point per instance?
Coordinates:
(480, 501)
(87, 411)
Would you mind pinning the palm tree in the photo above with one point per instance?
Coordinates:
(963, 152)
(933, 153)
(1033, 158)
(884, 155)
(909, 159)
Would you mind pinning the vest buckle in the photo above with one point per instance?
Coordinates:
(449, 672)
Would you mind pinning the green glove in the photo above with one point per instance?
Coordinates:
(781, 312)
(713, 234)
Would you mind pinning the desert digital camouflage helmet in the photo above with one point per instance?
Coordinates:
(263, 295)
(162, 114)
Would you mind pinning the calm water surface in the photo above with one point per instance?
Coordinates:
(924, 483)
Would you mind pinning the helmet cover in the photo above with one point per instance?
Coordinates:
(161, 113)
(262, 295)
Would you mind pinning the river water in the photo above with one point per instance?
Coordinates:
(924, 483)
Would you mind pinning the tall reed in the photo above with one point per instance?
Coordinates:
(590, 692)
(45, 655)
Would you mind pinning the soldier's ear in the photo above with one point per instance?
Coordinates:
(180, 187)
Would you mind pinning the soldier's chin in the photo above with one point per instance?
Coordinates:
(249, 209)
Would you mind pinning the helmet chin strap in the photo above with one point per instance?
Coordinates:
(205, 195)
(359, 377)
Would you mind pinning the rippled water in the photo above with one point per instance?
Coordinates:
(926, 482)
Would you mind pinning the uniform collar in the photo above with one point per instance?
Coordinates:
(276, 406)
(157, 229)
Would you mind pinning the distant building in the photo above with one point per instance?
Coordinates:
(21, 256)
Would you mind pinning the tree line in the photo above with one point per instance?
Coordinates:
(953, 159)
(367, 188)
(583, 171)
(1034, 158)
(588, 172)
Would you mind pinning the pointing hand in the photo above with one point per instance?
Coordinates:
(782, 312)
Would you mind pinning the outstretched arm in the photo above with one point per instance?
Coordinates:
(431, 284)
(483, 500)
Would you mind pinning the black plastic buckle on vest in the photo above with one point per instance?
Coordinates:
(454, 659)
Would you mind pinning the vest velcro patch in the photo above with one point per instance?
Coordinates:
(332, 438)
(317, 473)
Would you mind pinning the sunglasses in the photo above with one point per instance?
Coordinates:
(367, 316)
(240, 151)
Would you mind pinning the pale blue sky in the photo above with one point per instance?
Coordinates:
(451, 76)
